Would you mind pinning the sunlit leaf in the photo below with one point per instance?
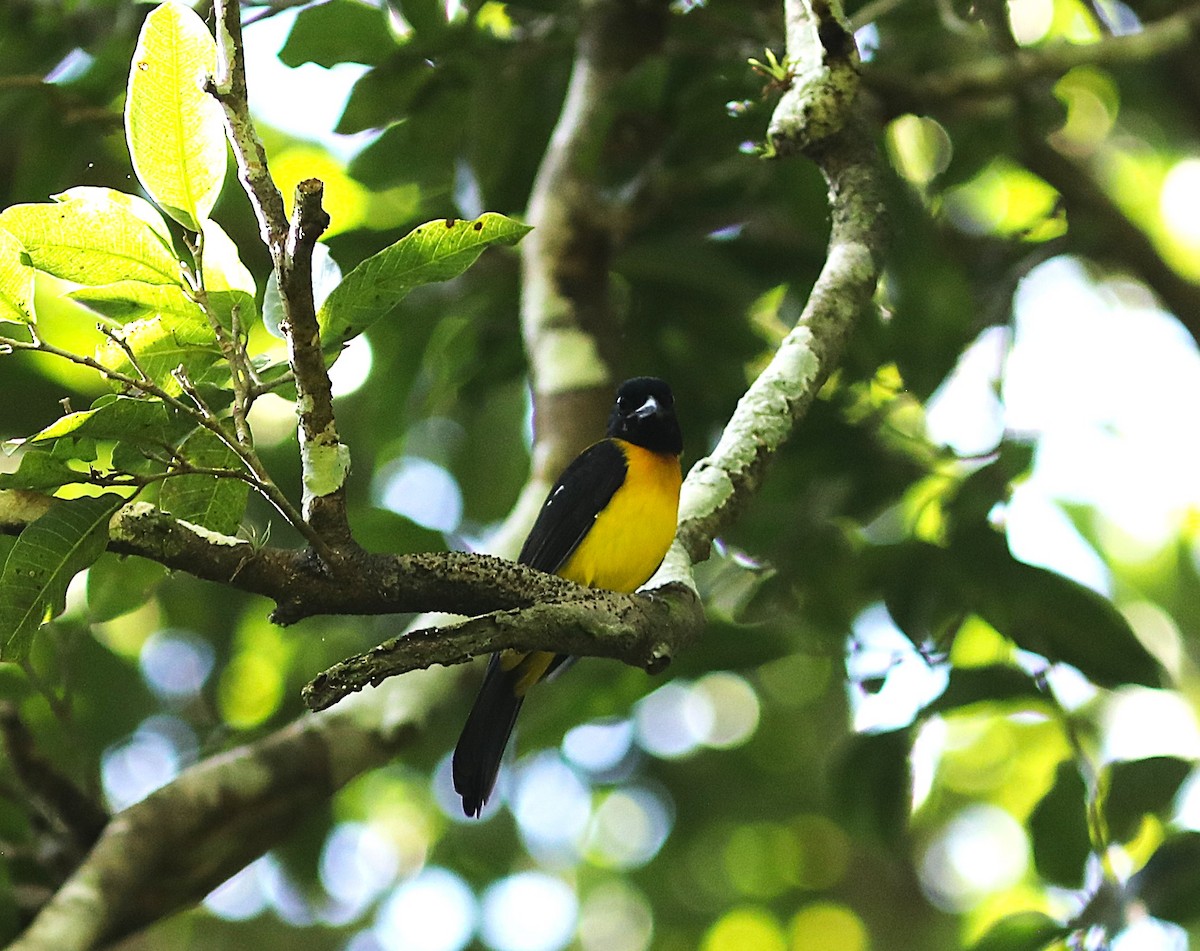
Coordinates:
(92, 236)
(174, 128)
(16, 281)
(1025, 931)
(161, 345)
(1051, 615)
(214, 502)
(435, 251)
(46, 556)
(1140, 787)
(125, 418)
(129, 300)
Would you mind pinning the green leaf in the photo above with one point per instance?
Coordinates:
(1169, 883)
(435, 251)
(40, 471)
(174, 128)
(16, 281)
(124, 418)
(227, 280)
(1024, 931)
(1140, 787)
(161, 345)
(1058, 829)
(123, 301)
(995, 683)
(872, 784)
(94, 236)
(1051, 615)
(116, 586)
(340, 31)
(215, 503)
(46, 556)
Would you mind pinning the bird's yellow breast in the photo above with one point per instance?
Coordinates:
(633, 532)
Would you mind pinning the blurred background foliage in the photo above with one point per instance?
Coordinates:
(894, 735)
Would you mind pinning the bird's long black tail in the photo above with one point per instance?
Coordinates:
(485, 735)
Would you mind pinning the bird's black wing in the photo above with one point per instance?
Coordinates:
(582, 492)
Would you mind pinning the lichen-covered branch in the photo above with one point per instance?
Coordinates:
(325, 460)
(642, 630)
(227, 810)
(719, 485)
(458, 582)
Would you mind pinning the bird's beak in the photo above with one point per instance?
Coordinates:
(647, 409)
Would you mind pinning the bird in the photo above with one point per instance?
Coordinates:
(607, 523)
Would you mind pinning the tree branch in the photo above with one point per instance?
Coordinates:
(183, 840)
(642, 630)
(229, 809)
(1002, 75)
(324, 459)
(647, 630)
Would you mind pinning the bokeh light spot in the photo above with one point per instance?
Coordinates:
(615, 917)
(250, 690)
(982, 849)
(734, 708)
(530, 911)
(357, 865)
(824, 926)
(598, 747)
(433, 911)
(629, 828)
(673, 720)
(745, 929)
(422, 491)
(552, 806)
(175, 663)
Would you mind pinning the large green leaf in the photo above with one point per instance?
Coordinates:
(94, 236)
(145, 422)
(435, 251)
(1059, 831)
(123, 301)
(1169, 883)
(161, 345)
(211, 501)
(39, 471)
(339, 31)
(46, 556)
(1140, 787)
(16, 281)
(116, 586)
(1024, 931)
(174, 128)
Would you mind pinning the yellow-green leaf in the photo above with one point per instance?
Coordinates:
(174, 128)
(93, 236)
(16, 282)
(435, 251)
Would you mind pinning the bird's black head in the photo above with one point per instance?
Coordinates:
(644, 414)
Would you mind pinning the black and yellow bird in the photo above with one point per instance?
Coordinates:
(607, 523)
